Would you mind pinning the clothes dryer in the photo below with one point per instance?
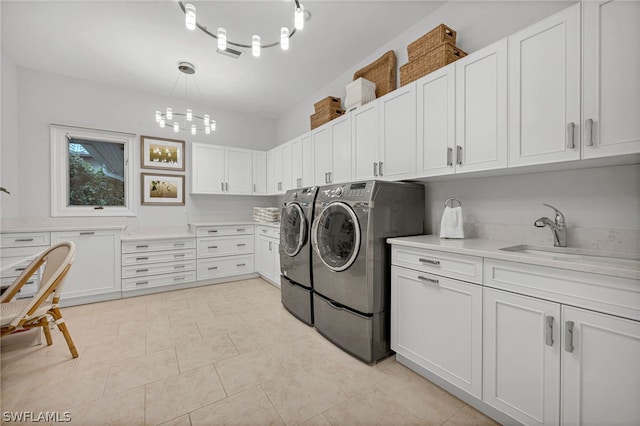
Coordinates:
(296, 281)
(351, 263)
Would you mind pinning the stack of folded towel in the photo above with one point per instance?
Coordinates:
(451, 225)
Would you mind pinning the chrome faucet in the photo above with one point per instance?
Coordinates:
(558, 227)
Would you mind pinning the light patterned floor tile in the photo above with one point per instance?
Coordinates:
(141, 370)
(126, 408)
(206, 350)
(468, 416)
(248, 369)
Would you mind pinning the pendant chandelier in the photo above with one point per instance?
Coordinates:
(300, 16)
(185, 121)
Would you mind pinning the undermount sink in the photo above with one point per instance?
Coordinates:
(567, 254)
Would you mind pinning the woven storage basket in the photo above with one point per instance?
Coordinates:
(432, 39)
(382, 72)
(329, 102)
(438, 57)
(322, 117)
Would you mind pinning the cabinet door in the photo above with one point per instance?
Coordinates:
(207, 169)
(239, 179)
(272, 187)
(600, 369)
(436, 122)
(364, 137)
(436, 322)
(278, 170)
(340, 129)
(611, 70)
(307, 160)
(397, 148)
(521, 356)
(259, 172)
(264, 264)
(275, 259)
(296, 163)
(544, 90)
(96, 269)
(286, 168)
(321, 155)
(481, 109)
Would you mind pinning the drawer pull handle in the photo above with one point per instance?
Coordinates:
(179, 267)
(178, 244)
(264, 231)
(143, 246)
(212, 231)
(549, 331)
(88, 233)
(429, 261)
(241, 245)
(142, 283)
(430, 280)
(178, 278)
(568, 336)
(211, 268)
(24, 240)
(240, 230)
(212, 247)
(142, 258)
(19, 269)
(179, 255)
(141, 270)
(241, 264)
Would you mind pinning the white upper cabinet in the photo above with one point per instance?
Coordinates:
(332, 151)
(436, 122)
(259, 173)
(282, 168)
(544, 90)
(481, 109)
(271, 178)
(221, 170)
(397, 143)
(611, 72)
(364, 137)
(321, 155)
(302, 162)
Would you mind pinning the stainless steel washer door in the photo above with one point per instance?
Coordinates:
(336, 236)
(294, 229)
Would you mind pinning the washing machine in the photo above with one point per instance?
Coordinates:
(351, 262)
(296, 281)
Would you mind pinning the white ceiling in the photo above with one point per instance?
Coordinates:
(138, 44)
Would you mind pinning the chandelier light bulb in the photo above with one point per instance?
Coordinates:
(193, 129)
(158, 116)
(190, 16)
(206, 120)
(255, 45)
(169, 114)
(189, 115)
(207, 130)
(222, 38)
(213, 124)
(299, 17)
(161, 122)
(284, 38)
(176, 127)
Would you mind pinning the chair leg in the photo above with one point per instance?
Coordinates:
(62, 326)
(47, 333)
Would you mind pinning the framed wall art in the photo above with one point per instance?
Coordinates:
(162, 190)
(160, 153)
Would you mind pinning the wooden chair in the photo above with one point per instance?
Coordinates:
(35, 311)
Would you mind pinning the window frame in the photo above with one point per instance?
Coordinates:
(60, 172)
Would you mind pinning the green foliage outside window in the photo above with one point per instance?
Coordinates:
(90, 187)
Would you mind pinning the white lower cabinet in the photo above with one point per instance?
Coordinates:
(522, 356)
(267, 255)
(96, 272)
(17, 250)
(224, 251)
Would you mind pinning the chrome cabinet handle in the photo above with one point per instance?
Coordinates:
(142, 283)
(222, 186)
(143, 246)
(179, 255)
(23, 240)
(226, 186)
(326, 177)
(549, 331)
(241, 245)
(211, 268)
(141, 258)
(270, 245)
(429, 261)
(459, 155)
(212, 247)
(179, 267)
(431, 280)
(380, 169)
(240, 229)
(211, 231)
(588, 132)
(241, 264)
(330, 176)
(88, 233)
(178, 278)
(449, 157)
(141, 270)
(571, 127)
(375, 169)
(178, 244)
(568, 336)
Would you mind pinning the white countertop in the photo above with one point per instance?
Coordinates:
(491, 249)
(222, 223)
(269, 224)
(55, 228)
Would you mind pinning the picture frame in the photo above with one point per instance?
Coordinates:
(162, 153)
(162, 190)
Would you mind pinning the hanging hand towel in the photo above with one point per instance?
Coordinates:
(451, 225)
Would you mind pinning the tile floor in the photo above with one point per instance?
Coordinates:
(222, 354)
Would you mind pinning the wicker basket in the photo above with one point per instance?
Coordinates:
(329, 102)
(438, 57)
(432, 39)
(382, 72)
(322, 117)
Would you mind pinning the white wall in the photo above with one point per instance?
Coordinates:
(9, 137)
(44, 98)
(477, 23)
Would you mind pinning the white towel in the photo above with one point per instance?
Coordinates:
(451, 225)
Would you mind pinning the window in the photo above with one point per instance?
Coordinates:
(91, 174)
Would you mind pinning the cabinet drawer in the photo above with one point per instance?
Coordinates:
(15, 260)
(225, 246)
(26, 239)
(213, 231)
(158, 268)
(157, 245)
(130, 259)
(613, 295)
(268, 231)
(158, 280)
(224, 266)
(462, 267)
(28, 289)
